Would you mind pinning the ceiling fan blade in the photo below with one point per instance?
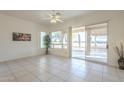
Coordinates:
(45, 18)
(60, 20)
(49, 15)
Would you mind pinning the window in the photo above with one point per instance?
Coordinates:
(56, 39)
(42, 34)
(59, 39)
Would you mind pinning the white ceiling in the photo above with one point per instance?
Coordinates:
(41, 16)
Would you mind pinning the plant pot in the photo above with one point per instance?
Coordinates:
(121, 63)
(46, 51)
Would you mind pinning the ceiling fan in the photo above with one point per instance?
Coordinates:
(55, 17)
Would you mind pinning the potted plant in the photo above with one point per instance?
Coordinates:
(120, 52)
(47, 42)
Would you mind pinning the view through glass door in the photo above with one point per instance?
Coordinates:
(96, 42)
(90, 42)
(78, 42)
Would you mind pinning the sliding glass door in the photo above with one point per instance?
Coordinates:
(90, 42)
(96, 42)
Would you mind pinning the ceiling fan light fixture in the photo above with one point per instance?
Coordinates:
(55, 17)
(58, 15)
(53, 21)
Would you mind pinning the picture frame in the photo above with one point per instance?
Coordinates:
(21, 36)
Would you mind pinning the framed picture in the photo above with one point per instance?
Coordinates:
(21, 36)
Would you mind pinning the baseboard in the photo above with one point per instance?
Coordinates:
(21, 57)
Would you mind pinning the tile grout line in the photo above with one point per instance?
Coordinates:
(11, 72)
(102, 73)
(52, 67)
(32, 73)
(118, 75)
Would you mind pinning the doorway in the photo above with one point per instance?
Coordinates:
(90, 42)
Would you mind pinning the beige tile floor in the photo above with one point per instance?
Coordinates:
(57, 69)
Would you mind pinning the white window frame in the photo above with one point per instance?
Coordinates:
(42, 46)
(61, 41)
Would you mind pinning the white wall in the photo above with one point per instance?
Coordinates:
(9, 49)
(115, 33)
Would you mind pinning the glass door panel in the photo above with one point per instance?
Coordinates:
(78, 43)
(90, 42)
(98, 43)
